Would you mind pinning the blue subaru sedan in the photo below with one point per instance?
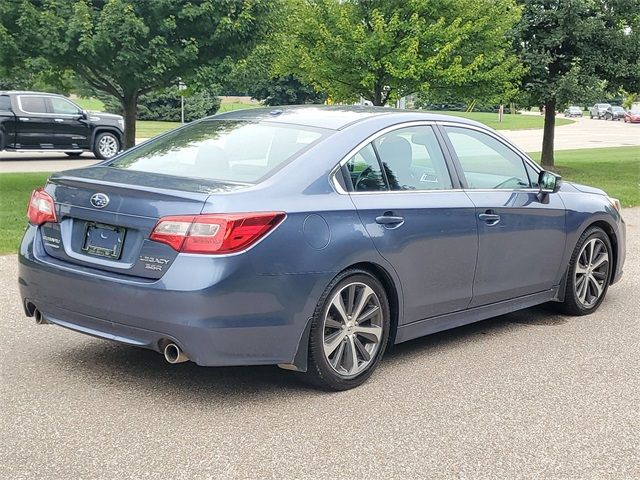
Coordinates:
(312, 238)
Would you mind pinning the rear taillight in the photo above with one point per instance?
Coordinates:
(42, 209)
(216, 233)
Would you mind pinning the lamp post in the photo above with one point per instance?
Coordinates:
(181, 87)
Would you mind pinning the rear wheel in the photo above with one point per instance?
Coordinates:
(106, 145)
(589, 273)
(349, 331)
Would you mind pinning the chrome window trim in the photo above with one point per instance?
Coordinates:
(47, 114)
(431, 123)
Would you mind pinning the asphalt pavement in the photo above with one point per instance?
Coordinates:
(531, 394)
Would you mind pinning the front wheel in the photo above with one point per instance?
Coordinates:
(106, 145)
(589, 273)
(349, 331)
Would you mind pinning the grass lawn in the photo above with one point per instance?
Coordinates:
(91, 104)
(15, 191)
(615, 170)
(509, 122)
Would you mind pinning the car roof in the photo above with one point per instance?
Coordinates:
(27, 92)
(335, 117)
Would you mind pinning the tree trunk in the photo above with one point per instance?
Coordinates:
(547, 159)
(130, 108)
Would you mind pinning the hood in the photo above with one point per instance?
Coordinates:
(587, 189)
(99, 115)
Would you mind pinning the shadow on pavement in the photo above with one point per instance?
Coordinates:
(147, 372)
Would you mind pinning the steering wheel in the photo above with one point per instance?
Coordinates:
(362, 176)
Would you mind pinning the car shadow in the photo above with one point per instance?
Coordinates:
(145, 371)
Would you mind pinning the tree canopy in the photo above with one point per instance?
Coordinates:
(573, 49)
(382, 49)
(127, 48)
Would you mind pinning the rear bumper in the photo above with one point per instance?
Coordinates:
(218, 310)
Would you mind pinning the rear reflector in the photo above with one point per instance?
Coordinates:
(215, 233)
(41, 209)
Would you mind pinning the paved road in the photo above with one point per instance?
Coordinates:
(526, 395)
(584, 133)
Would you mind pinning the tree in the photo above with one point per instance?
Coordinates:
(127, 48)
(574, 50)
(384, 49)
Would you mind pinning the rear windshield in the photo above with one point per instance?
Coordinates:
(237, 151)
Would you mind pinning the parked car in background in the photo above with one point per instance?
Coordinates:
(632, 116)
(614, 113)
(598, 110)
(35, 121)
(312, 238)
(573, 111)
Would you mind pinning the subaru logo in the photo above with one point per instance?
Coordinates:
(99, 200)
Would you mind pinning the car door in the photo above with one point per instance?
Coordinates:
(35, 125)
(521, 235)
(70, 129)
(403, 191)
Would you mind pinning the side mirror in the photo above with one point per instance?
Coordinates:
(549, 182)
(84, 115)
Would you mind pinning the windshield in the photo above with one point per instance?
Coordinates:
(618, 109)
(225, 150)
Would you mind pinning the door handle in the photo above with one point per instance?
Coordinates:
(58, 120)
(389, 220)
(24, 119)
(489, 217)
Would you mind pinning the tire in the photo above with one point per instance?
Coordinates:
(106, 145)
(597, 240)
(335, 369)
(73, 154)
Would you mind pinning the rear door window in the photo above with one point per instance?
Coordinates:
(412, 159)
(33, 104)
(5, 103)
(225, 150)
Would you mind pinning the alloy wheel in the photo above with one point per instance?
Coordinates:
(353, 329)
(108, 146)
(591, 272)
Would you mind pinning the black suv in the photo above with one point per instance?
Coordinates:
(34, 121)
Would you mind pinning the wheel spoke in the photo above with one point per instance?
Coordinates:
(368, 314)
(361, 348)
(580, 270)
(582, 291)
(333, 341)
(365, 295)
(338, 356)
(338, 304)
(352, 299)
(596, 284)
(372, 332)
(351, 356)
(600, 260)
(331, 323)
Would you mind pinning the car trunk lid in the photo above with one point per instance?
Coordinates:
(111, 232)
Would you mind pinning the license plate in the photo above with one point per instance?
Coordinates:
(103, 240)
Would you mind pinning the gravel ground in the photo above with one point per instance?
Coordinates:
(526, 395)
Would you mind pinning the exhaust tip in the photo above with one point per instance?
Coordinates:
(173, 354)
(40, 320)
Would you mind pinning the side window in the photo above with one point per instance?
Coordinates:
(412, 159)
(364, 171)
(5, 103)
(533, 176)
(486, 162)
(33, 104)
(63, 107)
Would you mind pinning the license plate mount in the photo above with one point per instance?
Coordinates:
(103, 240)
